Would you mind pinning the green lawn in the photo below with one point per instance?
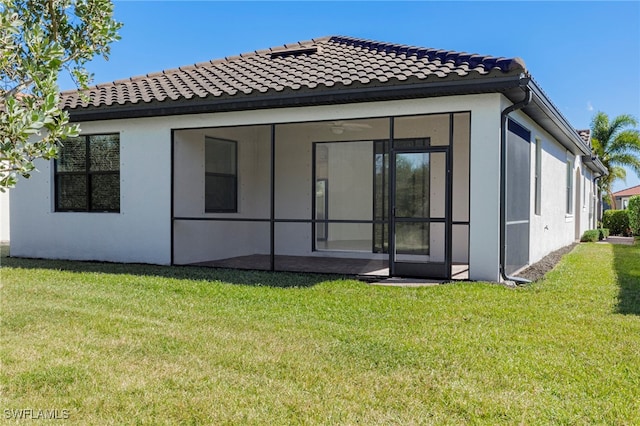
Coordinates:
(132, 344)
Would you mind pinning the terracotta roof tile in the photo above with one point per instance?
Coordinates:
(585, 135)
(312, 64)
(634, 190)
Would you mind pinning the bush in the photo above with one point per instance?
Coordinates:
(593, 235)
(617, 221)
(590, 236)
(604, 233)
(633, 210)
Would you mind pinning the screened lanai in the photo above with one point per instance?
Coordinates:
(377, 196)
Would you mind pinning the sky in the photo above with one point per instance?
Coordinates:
(584, 54)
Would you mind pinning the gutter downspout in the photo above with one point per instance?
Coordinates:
(599, 200)
(524, 85)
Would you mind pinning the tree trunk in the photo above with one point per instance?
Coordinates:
(612, 199)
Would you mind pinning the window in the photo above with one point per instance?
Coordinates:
(538, 177)
(569, 187)
(87, 174)
(584, 190)
(221, 176)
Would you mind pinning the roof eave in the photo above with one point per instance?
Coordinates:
(293, 98)
(563, 131)
(547, 115)
(594, 163)
(629, 192)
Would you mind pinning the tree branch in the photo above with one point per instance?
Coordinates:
(54, 21)
(18, 89)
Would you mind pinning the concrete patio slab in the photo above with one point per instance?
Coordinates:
(629, 241)
(369, 270)
(407, 282)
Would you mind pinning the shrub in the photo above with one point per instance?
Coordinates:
(590, 236)
(604, 233)
(617, 221)
(633, 210)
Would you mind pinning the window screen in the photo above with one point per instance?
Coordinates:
(518, 197)
(87, 174)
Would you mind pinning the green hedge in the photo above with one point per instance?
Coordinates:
(593, 235)
(590, 236)
(633, 210)
(617, 221)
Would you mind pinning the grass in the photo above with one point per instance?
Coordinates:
(134, 344)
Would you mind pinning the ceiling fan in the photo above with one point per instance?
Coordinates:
(339, 127)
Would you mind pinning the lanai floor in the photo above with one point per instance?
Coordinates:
(328, 265)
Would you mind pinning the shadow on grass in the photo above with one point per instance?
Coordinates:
(231, 276)
(627, 266)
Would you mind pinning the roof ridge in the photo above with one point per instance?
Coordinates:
(458, 57)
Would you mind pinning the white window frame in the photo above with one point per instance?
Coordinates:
(570, 207)
(87, 173)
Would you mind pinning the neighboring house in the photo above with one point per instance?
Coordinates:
(622, 197)
(334, 154)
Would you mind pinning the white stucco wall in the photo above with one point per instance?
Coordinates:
(553, 228)
(141, 231)
(484, 232)
(5, 232)
(350, 163)
(253, 145)
(461, 184)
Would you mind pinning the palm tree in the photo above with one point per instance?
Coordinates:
(617, 144)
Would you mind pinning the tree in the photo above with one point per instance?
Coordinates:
(38, 40)
(618, 146)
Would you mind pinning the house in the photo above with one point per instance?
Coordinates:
(622, 197)
(4, 217)
(335, 154)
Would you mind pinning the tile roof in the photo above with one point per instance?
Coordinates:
(634, 190)
(317, 64)
(585, 135)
